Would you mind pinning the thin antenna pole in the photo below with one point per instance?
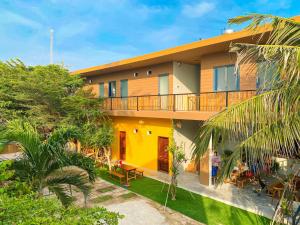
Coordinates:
(51, 46)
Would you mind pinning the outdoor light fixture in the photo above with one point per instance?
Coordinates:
(178, 124)
(135, 74)
(149, 132)
(135, 130)
(149, 72)
(90, 81)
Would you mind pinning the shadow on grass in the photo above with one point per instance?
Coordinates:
(195, 206)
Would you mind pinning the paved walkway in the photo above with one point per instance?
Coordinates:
(136, 209)
(242, 198)
(10, 156)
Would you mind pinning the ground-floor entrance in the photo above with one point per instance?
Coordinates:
(163, 154)
(122, 145)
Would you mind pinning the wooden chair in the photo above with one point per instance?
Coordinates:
(118, 176)
(140, 172)
(275, 190)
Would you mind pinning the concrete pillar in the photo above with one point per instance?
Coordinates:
(205, 166)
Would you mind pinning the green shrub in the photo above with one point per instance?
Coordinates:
(86, 163)
(28, 210)
(6, 172)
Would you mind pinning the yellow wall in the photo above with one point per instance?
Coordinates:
(141, 149)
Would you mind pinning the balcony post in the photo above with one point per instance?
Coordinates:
(199, 108)
(137, 103)
(226, 99)
(110, 103)
(174, 102)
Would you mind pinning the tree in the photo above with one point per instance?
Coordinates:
(267, 124)
(102, 139)
(47, 96)
(178, 157)
(45, 162)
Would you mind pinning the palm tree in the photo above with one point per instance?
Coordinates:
(45, 163)
(268, 124)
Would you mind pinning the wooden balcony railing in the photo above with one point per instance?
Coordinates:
(209, 101)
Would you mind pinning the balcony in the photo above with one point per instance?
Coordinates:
(201, 105)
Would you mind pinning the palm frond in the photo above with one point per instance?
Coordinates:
(83, 162)
(62, 194)
(285, 58)
(69, 175)
(58, 139)
(262, 125)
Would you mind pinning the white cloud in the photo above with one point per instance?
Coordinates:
(198, 10)
(9, 17)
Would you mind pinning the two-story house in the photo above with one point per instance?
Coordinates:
(168, 94)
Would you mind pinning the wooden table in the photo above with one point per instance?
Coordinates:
(127, 169)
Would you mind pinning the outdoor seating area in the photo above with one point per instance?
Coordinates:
(267, 182)
(124, 170)
(120, 171)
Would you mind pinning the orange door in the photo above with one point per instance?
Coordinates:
(163, 154)
(122, 145)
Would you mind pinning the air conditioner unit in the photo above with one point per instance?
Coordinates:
(135, 74)
(149, 72)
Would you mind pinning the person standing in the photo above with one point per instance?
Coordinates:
(216, 160)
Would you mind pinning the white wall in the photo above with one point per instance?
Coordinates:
(186, 78)
(184, 134)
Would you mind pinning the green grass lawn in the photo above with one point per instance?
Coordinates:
(198, 207)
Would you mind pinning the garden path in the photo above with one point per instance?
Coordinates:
(136, 209)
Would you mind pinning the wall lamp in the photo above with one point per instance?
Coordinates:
(135, 130)
(149, 132)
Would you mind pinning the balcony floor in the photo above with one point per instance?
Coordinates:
(164, 114)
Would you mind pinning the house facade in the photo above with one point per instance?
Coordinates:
(167, 95)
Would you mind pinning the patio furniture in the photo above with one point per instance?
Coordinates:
(129, 170)
(117, 175)
(275, 190)
(140, 172)
(241, 181)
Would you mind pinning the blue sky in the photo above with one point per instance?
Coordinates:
(88, 33)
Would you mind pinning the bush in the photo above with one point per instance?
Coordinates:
(28, 210)
(86, 163)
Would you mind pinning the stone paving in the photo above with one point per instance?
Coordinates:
(136, 209)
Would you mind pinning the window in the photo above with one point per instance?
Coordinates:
(266, 73)
(101, 90)
(124, 88)
(112, 92)
(225, 79)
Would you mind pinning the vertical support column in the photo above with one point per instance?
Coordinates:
(174, 102)
(226, 99)
(205, 166)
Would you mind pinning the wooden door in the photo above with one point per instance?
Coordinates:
(163, 154)
(122, 145)
(163, 91)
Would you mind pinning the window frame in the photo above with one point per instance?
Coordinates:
(215, 76)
